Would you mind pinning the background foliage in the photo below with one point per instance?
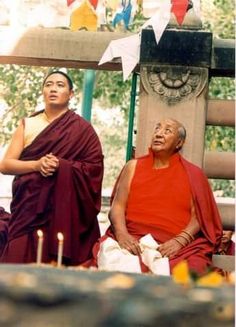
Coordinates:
(20, 93)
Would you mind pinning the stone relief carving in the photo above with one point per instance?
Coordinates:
(174, 84)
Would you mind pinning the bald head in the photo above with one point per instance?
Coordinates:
(180, 127)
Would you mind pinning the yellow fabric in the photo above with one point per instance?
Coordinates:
(213, 279)
(181, 274)
(34, 126)
(84, 17)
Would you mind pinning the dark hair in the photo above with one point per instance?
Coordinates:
(62, 73)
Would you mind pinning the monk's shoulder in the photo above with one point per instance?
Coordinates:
(82, 124)
(130, 166)
(193, 168)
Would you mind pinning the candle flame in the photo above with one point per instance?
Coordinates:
(40, 233)
(60, 237)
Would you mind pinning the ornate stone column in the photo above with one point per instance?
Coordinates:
(174, 83)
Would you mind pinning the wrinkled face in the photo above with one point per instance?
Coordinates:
(56, 91)
(166, 138)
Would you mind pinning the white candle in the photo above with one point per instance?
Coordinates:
(60, 238)
(40, 247)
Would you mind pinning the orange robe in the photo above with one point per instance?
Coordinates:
(160, 198)
(159, 203)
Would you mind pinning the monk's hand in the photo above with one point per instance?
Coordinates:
(169, 248)
(53, 161)
(47, 165)
(128, 242)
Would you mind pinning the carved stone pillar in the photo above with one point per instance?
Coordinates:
(174, 83)
(177, 92)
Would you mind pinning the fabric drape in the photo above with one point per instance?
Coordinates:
(199, 252)
(67, 202)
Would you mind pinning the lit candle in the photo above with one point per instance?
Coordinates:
(40, 247)
(60, 249)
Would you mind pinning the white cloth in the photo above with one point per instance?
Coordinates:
(112, 257)
(128, 48)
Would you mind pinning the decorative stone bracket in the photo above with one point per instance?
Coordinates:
(173, 84)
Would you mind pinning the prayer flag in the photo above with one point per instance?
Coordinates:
(124, 15)
(94, 3)
(179, 9)
(69, 2)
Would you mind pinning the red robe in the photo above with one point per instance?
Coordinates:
(67, 202)
(199, 252)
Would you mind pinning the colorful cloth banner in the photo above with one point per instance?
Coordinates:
(124, 15)
(69, 2)
(128, 49)
(94, 3)
(179, 9)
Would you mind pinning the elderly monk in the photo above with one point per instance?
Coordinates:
(57, 159)
(164, 195)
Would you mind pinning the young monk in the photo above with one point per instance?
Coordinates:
(165, 196)
(57, 159)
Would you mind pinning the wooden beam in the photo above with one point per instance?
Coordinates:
(58, 47)
(219, 165)
(227, 213)
(111, 66)
(225, 262)
(221, 113)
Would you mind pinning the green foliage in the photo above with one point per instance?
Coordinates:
(222, 88)
(220, 138)
(112, 91)
(20, 88)
(218, 16)
(112, 131)
(225, 188)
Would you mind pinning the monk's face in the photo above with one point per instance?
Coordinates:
(166, 138)
(56, 91)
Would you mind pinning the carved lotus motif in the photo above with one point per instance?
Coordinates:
(174, 84)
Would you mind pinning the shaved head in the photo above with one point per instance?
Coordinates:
(180, 127)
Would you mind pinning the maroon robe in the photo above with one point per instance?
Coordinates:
(67, 202)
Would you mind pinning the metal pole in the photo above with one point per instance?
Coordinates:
(89, 79)
(131, 117)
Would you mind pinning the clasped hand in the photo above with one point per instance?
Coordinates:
(47, 165)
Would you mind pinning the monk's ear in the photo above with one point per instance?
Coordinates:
(179, 144)
(71, 94)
